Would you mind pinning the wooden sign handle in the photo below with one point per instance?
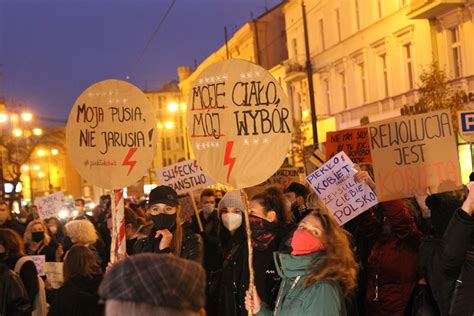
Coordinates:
(249, 245)
(196, 211)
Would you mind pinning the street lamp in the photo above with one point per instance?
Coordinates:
(169, 125)
(17, 132)
(26, 116)
(173, 107)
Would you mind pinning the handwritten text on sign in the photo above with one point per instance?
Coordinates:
(239, 123)
(111, 134)
(39, 263)
(354, 142)
(413, 153)
(50, 205)
(335, 185)
(183, 177)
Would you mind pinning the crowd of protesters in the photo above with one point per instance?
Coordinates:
(404, 257)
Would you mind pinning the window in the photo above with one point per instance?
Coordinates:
(342, 78)
(321, 34)
(409, 65)
(357, 14)
(168, 143)
(338, 24)
(379, 8)
(294, 44)
(328, 94)
(456, 52)
(363, 82)
(384, 74)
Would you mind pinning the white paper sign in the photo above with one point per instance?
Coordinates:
(54, 274)
(184, 176)
(335, 185)
(39, 263)
(49, 206)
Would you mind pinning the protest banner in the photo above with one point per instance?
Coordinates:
(111, 134)
(239, 124)
(39, 261)
(335, 185)
(184, 177)
(280, 179)
(466, 125)
(54, 274)
(50, 205)
(414, 153)
(354, 142)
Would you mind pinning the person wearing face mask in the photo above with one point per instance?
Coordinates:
(297, 194)
(168, 235)
(6, 220)
(37, 241)
(316, 275)
(80, 205)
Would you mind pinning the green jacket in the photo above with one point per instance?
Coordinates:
(322, 298)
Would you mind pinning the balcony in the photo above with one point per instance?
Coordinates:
(294, 70)
(428, 9)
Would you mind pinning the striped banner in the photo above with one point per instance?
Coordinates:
(118, 248)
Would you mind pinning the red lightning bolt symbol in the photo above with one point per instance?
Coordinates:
(196, 165)
(227, 159)
(128, 162)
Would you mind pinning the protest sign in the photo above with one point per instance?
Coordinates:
(280, 179)
(111, 134)
(354, 142)
(239, 123)
(50, 205)
(39, 263)
(54, 274)
(466, 125)
(183, 177)
(335, 185)
(413, 153)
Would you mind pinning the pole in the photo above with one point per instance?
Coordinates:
(249, 245)
(118, 248)
(31, 184)
(191, 196)
(309, 74)
(226, 40)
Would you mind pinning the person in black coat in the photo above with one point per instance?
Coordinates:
(38, 241)
(14, 299)
(79, 294)
(450, 262)
(167, 234)
(6, 220)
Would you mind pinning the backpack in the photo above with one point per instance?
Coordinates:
(40, 305)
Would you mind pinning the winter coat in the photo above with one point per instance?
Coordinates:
(322, 298)
(448, 257)
(393, 261)
(191, 247)
(46, 250)
(28, 275)
(78, 297)
(13, 224)
(14, 299)
(210, 226)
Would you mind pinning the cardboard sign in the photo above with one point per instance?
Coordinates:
(239, 123)
(54, 274)
(335, 185)
(39, 263)
(111, 134)
(354, 142)
(466, 125)
(281, 179)
(183, 177)
(413, 153)
(50, 205)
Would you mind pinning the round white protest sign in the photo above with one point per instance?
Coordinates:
(111, 134)
(239, 123)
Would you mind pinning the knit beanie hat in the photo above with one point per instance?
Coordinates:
(232, 199)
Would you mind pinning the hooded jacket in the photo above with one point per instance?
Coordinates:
(14, 299)
(322, 298)
(77, 297)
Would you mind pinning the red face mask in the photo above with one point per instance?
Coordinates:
(304, 243)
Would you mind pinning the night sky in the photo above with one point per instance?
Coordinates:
(50, 51)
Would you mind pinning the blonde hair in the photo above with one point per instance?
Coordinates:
(339, 264)
(81, 231)
(27, 237)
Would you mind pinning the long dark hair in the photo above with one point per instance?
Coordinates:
(80, 261)
(274, 199)
(12, 242)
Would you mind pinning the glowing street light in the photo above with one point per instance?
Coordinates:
(36, 167)
(17, 132)
(25, 167)
(41, 153)
(54, 152)
(41, 174)
(3, 117)
(169, 125)
(37, 131)
(27, 117)
(173, 107)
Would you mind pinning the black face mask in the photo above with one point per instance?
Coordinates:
(37, 236)
(164, 221)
